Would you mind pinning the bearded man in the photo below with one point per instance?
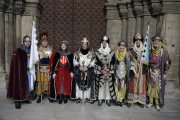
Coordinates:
(138, 70)
(159, 63)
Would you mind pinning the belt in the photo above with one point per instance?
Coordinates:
(63, 67)
(44, 67)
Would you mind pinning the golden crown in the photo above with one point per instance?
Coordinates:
(138, 36)
(44, 37)
(105, 38)
(65, 42)
(26, 38)
(85, 40)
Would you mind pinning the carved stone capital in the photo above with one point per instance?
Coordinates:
(10, 8)
(111, 6)
(146, 8)
(155, 7)
(138, 8)
(112, 14)
(130, 10)
(123, 11)
(32, 9)
(3, 5)
(19, 7)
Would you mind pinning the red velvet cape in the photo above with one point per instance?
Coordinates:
(17, 85)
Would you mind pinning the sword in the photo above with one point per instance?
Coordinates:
(83, 74)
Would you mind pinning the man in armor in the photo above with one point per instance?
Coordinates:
(138, 70)
(19, 76)
(159, 63)
(122, 73)
(84, 60)
(46, 55)
(104, 70)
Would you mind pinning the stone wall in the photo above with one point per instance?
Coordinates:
(127, 17)
(16, 17)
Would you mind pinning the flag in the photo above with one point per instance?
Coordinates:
(145, 54)
(33, 56)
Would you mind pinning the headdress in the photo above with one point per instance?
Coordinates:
(65, 42)
(26, 38)
(157, 37)
(138, 36)
(44, 36)
(85, 40)
(105, 38)
(122, 43)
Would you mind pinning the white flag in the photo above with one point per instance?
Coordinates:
(33, 56)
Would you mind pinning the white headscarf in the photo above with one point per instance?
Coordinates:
(138, 50)
(106, 50)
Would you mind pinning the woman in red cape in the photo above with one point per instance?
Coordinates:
(62, 72)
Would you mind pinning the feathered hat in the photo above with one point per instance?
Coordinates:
(44, 36)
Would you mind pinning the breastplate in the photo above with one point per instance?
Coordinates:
(85, 59)
(121, 70)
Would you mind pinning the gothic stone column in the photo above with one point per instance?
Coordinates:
(9, 34)
(3, 6)
(114, 24)
(18, 10)
(131, 25)
(138, 12)
(123, 14)
(32, 11)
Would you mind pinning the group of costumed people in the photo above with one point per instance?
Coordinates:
(107, 76)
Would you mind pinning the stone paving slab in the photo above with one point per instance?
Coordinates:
(74, 111)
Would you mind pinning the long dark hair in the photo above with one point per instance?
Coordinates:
(65, 49)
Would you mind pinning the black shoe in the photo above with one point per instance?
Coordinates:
(34, 96)
(39, 99)
(60, 99)
(65, 99)
(27, 102)
(51, 101)
(78, 100)
(17, 105)
(120, 104)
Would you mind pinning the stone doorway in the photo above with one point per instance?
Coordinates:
(73, 20)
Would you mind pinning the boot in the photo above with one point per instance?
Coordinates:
(78, 100)
(108, 103)
(120, 104)
(158, 108)
(51, 101)
(17, 105)
(65, 99)
(27, 102)
(34, 96)
(60, 99)
(149, 105)
(129, 105)
(99, 102)
(39, 99)
(141, 105)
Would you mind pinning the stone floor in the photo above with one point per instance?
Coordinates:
(73, 111)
